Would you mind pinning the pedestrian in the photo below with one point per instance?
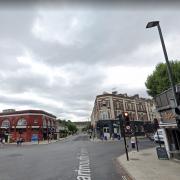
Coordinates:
(133, 142)
(18, 141)
(1, 141)
(49, 138)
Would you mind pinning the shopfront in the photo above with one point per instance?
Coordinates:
(29, 125)
(172, 140)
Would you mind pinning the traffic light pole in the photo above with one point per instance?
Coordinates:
(121, 120)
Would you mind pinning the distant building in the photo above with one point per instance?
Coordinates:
(82, 125)
(61, 129)
(107, 107)
(26, 124)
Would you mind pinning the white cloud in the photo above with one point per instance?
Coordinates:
(36, 66)
(126, 76)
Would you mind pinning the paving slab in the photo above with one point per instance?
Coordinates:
(145, 165)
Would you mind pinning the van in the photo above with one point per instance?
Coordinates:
(159, 133)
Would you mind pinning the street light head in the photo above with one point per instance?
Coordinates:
(152, 24)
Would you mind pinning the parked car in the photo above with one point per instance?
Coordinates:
(159, 133)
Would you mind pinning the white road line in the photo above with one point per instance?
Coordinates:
(124, 178)
(84, 171)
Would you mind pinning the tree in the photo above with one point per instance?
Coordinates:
(71, 126)
(158, 81)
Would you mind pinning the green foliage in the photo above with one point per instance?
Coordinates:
(71, 127)
(158, 81)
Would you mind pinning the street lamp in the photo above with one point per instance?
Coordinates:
(153, 24)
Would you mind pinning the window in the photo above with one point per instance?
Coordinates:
(35, 121)
(104, 115)
(5, 123)
(22, 122)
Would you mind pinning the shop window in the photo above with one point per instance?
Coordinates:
(35, 130)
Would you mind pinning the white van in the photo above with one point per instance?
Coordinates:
(160, 138)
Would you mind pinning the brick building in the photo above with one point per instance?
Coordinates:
(27, 124)
(108, 106)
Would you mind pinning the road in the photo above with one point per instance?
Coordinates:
(74, 158)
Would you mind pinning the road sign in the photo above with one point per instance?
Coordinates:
(128, 127)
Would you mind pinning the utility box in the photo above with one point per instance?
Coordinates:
(165, 105)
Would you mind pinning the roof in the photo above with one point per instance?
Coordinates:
(28, 111)
(124, 96)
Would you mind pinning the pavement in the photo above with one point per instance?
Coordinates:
(40, 142)
(145, 165)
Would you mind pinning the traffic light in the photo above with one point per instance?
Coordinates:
(126, 119)
(156, 124)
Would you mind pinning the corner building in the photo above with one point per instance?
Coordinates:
(27, 124)
(107, 107)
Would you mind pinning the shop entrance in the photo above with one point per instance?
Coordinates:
(106, 132)
(173, 136)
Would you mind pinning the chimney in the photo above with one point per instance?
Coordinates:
(114, 92)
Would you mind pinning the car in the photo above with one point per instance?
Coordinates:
(158, 136)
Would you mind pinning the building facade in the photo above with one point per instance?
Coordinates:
(107, 107)
(27, 124)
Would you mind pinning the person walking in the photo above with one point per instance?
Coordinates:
(133, 142)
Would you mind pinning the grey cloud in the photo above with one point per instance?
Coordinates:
(112, 36)
(110, 40)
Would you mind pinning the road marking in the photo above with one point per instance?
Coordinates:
(124, 178)
(84, 171)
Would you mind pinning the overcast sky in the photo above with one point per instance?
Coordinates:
(59, 59)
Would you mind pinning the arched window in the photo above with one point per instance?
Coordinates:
(5, 123)
(22, 122)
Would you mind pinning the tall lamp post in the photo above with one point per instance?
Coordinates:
(153, 24)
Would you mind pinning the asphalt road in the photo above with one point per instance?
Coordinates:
(64, 160)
